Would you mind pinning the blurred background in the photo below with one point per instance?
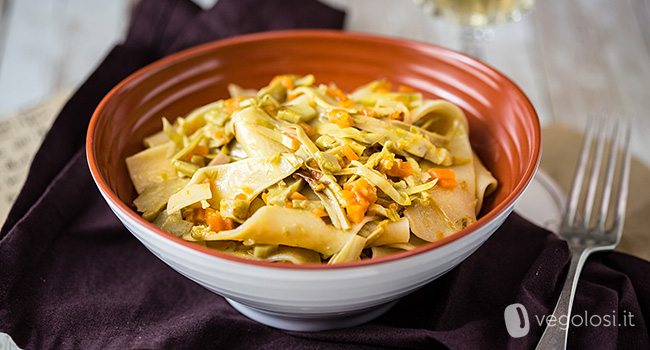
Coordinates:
(572, 58)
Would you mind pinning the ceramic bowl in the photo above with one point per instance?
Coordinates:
(504, 131)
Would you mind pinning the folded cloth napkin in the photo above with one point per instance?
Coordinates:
(72, 277)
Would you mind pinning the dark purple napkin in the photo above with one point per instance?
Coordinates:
(72, 277)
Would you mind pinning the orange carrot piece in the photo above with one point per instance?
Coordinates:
(337, 94)
(385, 88)
(396, 167)
(368, 112)
(285, 80)
(216, 222)
(349, 153)
(297, 196)
(341, 118)
(308, 129)
(346, 103)
(357, 197)
(446, 177)
(232, 104)
(355, 213)
(405, 89)
(397, 115)
(319, 212)
(202, 150)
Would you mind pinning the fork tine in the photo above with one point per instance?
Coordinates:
(624, 183)
(609, 177)
(595, 173)
(578, 179)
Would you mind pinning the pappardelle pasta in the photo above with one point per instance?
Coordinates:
(301, 172)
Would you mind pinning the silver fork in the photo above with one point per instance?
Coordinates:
(584, 233)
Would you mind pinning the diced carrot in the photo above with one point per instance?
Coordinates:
(365, 189)
(405, 169)
(341, 118)
(355, 213)
(446, 177)
(265, 197)
(216, 222)
(241, 196)
(285, 80)
(368, 112)
(292, 97)
(308, 129)
(297, 196)
(395, 167)
(232, 104)
(346, 103)
(288, 205)
(342, 98)
(349, 153)
(337, 94)
(357, 197)
(397, 115)
(200, 214)
(384, 88)
(201, 150)
(319, 212)
(405, 89)
(347, 194)
(352, 205)
(448, 183)
(218, 134)
(386, 164)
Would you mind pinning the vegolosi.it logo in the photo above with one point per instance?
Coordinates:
(517, 322)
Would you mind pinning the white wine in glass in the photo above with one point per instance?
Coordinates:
(475, 16)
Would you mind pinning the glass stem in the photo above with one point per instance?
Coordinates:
(473, 40)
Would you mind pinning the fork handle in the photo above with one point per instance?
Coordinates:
(555, 337)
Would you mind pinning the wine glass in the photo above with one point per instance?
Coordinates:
(476, 18)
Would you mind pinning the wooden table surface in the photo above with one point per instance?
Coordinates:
(572, 58)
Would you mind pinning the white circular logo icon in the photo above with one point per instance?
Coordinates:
(517, 323)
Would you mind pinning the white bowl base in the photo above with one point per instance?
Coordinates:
(311, 324)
